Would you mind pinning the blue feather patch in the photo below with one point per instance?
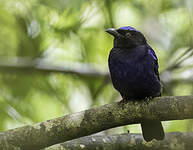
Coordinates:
(128, 28)
(152, 53)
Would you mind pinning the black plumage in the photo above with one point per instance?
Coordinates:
(133, 67)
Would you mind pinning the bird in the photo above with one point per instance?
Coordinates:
(133, 67)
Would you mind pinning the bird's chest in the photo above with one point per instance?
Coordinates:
(131, 65)
(130, 69)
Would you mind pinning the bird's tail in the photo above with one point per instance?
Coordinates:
(152, 129)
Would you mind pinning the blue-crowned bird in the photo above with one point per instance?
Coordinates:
(133, 67)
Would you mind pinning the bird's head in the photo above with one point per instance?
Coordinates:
(126, 37)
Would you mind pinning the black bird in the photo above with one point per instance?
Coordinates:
(133, 66)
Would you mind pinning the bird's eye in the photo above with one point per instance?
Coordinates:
(128, 35)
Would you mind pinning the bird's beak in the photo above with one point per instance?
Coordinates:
(113, 32)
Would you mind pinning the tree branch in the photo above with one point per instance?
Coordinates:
(97, 119)
(38, 64)
(172, 141)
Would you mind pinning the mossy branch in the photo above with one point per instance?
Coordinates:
(172, 141)
(96, 119)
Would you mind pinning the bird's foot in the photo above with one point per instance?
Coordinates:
(148, 99)
(122, 103)
(124, 100)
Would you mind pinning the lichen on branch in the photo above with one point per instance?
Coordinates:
(95, 120)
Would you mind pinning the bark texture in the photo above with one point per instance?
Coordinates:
(95, 120)
(172, 141)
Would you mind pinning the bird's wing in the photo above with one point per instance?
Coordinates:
(152, 53)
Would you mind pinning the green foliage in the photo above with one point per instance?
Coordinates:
(72, 32)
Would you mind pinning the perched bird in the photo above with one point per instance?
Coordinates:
(133, 67)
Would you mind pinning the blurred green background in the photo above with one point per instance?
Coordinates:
(69, 37)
